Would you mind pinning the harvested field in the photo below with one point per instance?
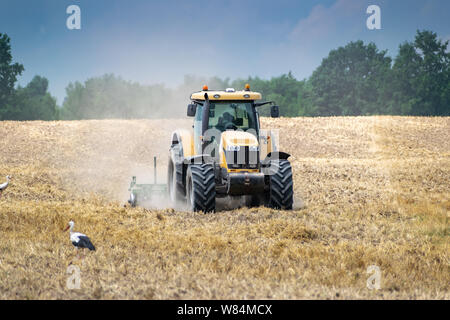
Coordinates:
(368, 191)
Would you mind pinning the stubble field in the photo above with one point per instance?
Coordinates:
(368, 191)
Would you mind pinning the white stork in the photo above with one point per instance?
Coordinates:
(79, 240)
(3, 186)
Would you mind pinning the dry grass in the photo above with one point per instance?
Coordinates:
(369, 191)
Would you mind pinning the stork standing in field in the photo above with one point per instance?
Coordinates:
(4, 185)
(79, 240)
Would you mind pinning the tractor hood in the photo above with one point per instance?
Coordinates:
(238, 138)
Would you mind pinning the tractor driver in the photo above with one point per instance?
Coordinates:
(226, 121)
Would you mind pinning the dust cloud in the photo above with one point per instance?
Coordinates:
(105, 154)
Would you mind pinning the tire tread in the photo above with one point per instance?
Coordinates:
(281, 185)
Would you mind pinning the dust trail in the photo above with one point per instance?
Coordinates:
(106, 154)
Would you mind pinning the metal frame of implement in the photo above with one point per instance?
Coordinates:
(145, 192)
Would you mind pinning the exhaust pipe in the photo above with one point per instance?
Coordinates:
(205, 121)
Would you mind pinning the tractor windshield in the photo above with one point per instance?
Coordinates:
(231, 116)
(226, 115)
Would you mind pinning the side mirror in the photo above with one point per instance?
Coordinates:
(191, 109)
(274, 111)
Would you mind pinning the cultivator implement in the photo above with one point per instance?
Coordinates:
(141, 193)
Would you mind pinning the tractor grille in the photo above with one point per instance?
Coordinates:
(242, 159)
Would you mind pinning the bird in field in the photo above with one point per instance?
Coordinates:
(3, 186)
(79, 240)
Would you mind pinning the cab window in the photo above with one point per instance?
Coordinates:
(231, 116)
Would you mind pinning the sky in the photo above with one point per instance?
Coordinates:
(154, 42)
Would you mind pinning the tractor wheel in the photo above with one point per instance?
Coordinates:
(174, 182)
(281, 194)
(201, 188)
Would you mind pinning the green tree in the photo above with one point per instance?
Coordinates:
(32, 102)
(421, 80)
(8, 73)
(348, 81)
(305, 101)
(284, 90)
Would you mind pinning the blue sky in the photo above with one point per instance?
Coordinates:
(161, 41)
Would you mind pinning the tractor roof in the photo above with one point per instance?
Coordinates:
(228, 94)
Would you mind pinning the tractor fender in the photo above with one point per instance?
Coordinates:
(199, 159)
(270, 169)
(268, 142)
(182, 145)
(276, 155)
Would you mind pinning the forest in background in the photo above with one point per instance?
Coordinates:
(357, 79)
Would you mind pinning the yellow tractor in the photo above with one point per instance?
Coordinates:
(228, 154)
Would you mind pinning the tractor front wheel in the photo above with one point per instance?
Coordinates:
(201, 188)
(281, 194)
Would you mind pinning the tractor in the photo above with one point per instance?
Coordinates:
(227, 154)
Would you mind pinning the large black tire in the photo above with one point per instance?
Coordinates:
(281, 194)
(174, 183)
(201, 188)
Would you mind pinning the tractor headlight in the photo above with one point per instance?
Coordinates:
(233, 148)
(254, 148)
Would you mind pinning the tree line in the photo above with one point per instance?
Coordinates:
(32, 102)
(357, 79)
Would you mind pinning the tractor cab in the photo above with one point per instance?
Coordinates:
(229, 115)
(224, 116)
(217, 113)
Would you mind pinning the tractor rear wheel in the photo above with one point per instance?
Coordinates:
(201, 188)
(281, 194)
(174, 182)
